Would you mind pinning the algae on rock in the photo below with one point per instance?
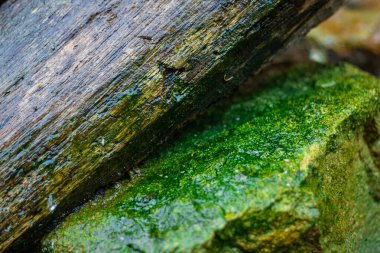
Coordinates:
(292, 167)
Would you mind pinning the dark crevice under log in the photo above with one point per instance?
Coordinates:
(87, 88)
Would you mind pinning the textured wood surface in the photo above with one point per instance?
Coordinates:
(86, 86)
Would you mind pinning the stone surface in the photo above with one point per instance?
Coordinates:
(293, 167)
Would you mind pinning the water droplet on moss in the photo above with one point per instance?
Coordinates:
(326, 84)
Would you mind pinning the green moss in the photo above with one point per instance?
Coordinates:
(345, 204)
(279, 170)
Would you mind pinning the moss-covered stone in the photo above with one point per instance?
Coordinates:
(291, 168)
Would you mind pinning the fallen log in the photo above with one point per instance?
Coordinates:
(88, 87)
(293, 168)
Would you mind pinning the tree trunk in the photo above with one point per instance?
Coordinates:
(88, 87)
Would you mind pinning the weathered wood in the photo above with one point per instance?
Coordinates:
(86, 86)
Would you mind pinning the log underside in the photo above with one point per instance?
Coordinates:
(88, 87)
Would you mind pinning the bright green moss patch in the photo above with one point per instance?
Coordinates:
(285, 169)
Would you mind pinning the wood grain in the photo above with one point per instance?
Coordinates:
(87, 88)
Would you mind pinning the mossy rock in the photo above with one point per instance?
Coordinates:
(293, 167)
